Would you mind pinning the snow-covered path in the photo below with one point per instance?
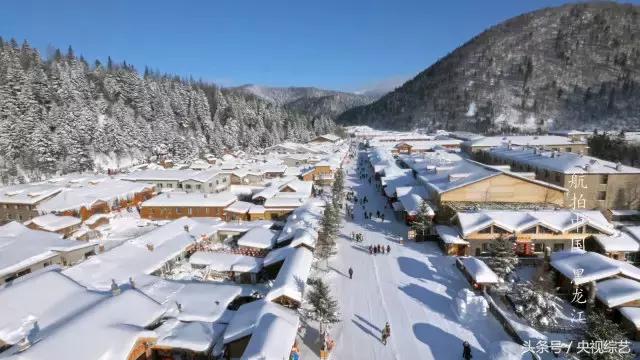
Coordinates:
(413, 288)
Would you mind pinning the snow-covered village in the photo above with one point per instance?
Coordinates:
(294, 181)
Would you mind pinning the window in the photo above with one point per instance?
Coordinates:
(160, 185)
(187, 186)
(217, 182)
(198, 187)
(557, 177)
(546, 173)
(190, 211)
(538, 247)
(591, 230)
(567, 149)
(544, 230)
(531, 230)
(604, 179)
(602, 195)
(485, 246)
(558, 247)
(577, 230)
(169, 185)
(499, 230)
(210, 185)
(486, 230)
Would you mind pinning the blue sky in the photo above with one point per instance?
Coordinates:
(345, 44)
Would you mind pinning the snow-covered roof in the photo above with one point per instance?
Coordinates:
(616, 292)
(284, 202)
(452, 175)
(106, 190)
(273, 339)
(195, 336)
(621, 241)
(632, 314)
(225, 262)
(519, 220)
(21, 247)
(47, 297)
(292, 276)
(200, 301)
(195, 199)
(563, 162)
(307, 216)
(51, 222)
(307, 237)
(160, 175)
(329, 137)
(243, 226)
(584, 267)
(247, 321)
(108, 330)
(450, 235)
(429, 144)
(401, 179)
(412, 198)
(144, 254)
(523, 140)
(258, 237)
(239, 207)
(277, 255)
(27, 193)
(479, 271)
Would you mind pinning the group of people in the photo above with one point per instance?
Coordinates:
(357, 237)
(379, 249)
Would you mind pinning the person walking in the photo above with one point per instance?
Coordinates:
(388, 249)
(386, 333)
(382, 217)
(370, 250)
(466, 351)
(350, 273)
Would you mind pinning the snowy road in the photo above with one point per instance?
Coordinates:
(413, 288)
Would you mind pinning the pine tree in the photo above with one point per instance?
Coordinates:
(600, 328)
(337, 189)
(502, 256)
(327, 234)
(324, 308)
(422, 223)
(539, 307)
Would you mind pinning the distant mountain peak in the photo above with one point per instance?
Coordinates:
(573, 66)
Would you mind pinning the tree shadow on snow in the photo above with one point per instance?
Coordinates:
(443, 345)
(420, 271)
(361, 248)
(338, 271)
(436, 302)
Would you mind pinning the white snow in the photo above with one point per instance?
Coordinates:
(51, 222)
(225, 262)
(478, 270)
(259, 238)
(616, 292)
(472, 110)
(412, 287)
(469, 306)
(582, 268)
(292, 277)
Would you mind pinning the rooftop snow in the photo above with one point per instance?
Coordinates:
(108, 330)
(27, 193)
(563, 162)
(226, 262)
(142, 255)
(247, 321)
(621, 241)
(258, 237)
(51, 222)
(585, 267)
(616, 292)
(519, 220)
(523, 140)
(450, 235)
(292, 276)
(182, 199)
(47, 297)
(21, 247)
(479, 271)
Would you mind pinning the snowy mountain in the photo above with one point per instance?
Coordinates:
(574, 66)
(309, 100)
(64, 115)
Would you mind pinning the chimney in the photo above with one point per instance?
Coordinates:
(618, 166)
(132, 283)
(587, 167)
(186, 228)
(150, 247)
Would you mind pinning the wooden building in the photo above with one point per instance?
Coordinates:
(174, 205)
(592, 183)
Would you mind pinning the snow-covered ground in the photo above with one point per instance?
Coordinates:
(414, 288)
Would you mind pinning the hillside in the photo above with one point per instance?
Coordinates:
(574, 66)
(308, 100)
(64, 115)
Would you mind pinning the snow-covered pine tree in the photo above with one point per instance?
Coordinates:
(337, 189)
(502, 256)
(327, 235)
(422, 223)
(324, 308)
(601, 328)
(539, 307)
